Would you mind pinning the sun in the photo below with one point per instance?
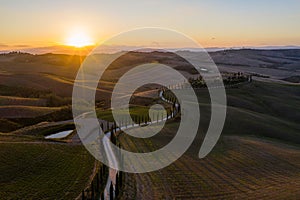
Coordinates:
(79, 39)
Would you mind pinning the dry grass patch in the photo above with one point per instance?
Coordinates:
(10, 112)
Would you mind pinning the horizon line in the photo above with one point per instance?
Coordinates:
(70, 50)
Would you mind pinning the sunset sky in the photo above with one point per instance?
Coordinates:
(213, 23)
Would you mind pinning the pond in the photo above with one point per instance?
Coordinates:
(59, 135)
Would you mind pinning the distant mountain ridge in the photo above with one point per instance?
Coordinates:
(61, 49)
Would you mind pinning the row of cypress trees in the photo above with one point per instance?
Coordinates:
(96, 188)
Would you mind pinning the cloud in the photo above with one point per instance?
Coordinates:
(3, 45)
(13, 47)
(21, 46)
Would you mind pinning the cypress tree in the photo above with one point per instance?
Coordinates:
(101, 125)
(101, 176)
(120, 179)
(82, 195)
(103, 170)
(92, 188)
(117, 186)
(97, 182)
(111, 191)
(112, 136)
(102, 195)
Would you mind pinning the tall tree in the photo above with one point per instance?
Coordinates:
(111, 191)
(93, 190)
(82, 195)
(117, 186)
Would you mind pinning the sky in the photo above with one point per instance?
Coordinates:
(212, 23)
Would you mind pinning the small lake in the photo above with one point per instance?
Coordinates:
(59, 135)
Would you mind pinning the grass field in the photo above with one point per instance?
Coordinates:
(257, 157)
(43, 171)
(252, 109)
(134, 111)
(10, 112)
(10, 100)
(44, 129)
(263, 109)
(139, 107)
(22, 106)
(239, 167)
(13, 124)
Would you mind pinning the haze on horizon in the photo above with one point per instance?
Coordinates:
(32, 23)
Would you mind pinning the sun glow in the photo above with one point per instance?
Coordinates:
(79, 39)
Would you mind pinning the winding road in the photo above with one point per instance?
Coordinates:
(110, 154)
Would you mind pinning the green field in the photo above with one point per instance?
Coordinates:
(11, 112)
(257, 156)
(256, 109)
(263, 109)
(25, 106)
(43, 171)
(134, 110)
(239, 167)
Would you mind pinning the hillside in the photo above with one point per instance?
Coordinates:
(237, 168)
(257, 155)
(288, 59)
(56, 72)
(43, 171)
